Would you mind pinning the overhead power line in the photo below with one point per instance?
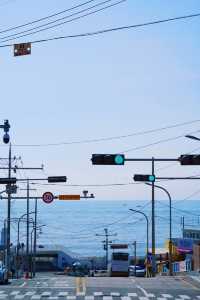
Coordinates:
(31, 30)
(47, 17)
(103, 31)
(111, 138)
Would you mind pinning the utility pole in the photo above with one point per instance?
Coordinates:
(8, 216)
(106, 243)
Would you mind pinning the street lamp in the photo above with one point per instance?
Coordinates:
(147, 220)
(170, 225)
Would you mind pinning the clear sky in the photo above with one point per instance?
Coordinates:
(103, 86)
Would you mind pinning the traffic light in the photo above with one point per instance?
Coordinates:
(108, 159)
(11, 180)
(57, 179)
(141, 177)
(192, 159)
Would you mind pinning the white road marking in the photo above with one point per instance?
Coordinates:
(14, 293)
(115, 294)
(107, 298)
(53, 298)
(132, 295)
(184, 297)
(46, 294)
(71, 297)
(143, 298)
(98, 294)
(166, 296)
(89, 297)
(3, 296)
(80, 294)
(36, 297)
(29, 293)
(125, 298)
(63, 294)
(19, 296)
(23, 284)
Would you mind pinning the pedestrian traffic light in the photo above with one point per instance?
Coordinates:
(108, 159)
(192, 159)
(22, 49)
(141, 177)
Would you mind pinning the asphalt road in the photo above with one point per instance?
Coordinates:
(50, 286)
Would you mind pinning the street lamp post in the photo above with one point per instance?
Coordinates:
(147, 230)
(170, 225)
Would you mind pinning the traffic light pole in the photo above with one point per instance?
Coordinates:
(8, 218)
(153, 246)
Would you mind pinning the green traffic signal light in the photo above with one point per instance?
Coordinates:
(119, 159)
(151, 178)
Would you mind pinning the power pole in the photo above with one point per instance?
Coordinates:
(106, 243)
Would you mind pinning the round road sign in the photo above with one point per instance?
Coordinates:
(48, 197)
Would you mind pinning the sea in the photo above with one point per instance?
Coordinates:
(80, 225)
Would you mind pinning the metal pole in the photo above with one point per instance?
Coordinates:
(153, 224)
(170, 226)
(8, 217)
(35, 241)
(147, 230)
(106, 234)
(27, 231)
(135, 256)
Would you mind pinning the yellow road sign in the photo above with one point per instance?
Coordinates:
(69, 197)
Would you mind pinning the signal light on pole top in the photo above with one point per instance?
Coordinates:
(141, 177)
(108, 159)
(192, 159)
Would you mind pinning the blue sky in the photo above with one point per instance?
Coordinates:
(108, 85)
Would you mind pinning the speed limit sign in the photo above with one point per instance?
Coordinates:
(48, 197)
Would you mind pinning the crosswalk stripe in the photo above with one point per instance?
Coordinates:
(46, 294)
(53, 298)
(29, 293)
(166, 296)
(107, 298)
(80, 294)
(71, 297)
(115, 294)
(3, 296)
(161, 298)
(132, 295)
(89, 297)
(98, 294)
(36, 297)
(19, 296)
(125, 298)
(184, 297)
(143, 298)
(14, 293)
(63, 294)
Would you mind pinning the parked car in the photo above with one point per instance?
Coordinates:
(138, 271)
(3, 276)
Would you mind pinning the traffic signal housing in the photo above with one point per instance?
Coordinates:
(191, 159)
(55, 179)
(142, 177)
(108, 159)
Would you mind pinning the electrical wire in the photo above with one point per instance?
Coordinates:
(24, 33)
(114, 29)
(47, 17)
(87, 141)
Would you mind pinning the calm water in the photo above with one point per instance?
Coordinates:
(74, 224)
